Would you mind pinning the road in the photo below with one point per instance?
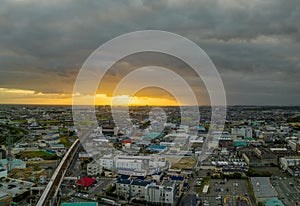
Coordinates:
(188, 200)
(288, 190)
(50, 193)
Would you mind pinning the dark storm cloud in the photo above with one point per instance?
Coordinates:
(254, 44)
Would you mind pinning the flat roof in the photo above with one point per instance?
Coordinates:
(14, 187)
(156, 147)
(274, 202)
(262, 187)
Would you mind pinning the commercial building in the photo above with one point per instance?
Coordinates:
(138, 188)
(130, 164)
(262, 189)
(244, 132)
(260, 157)
(107, 162)
(286, 162)
(13, 164)
(294, 170)
(226, 142)
(93, 168)
(162, 194)
(294, 144)
(273, 202)
(123, 188)
(131, 188)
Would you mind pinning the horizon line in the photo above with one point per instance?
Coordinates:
(228, 105)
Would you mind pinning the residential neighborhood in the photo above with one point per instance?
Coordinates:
(254, 160)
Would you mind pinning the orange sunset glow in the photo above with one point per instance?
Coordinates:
(18, 96)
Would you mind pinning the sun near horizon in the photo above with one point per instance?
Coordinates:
(19, 96)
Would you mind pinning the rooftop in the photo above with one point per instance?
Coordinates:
(140, 183)
(262, 187)
(86, 181)
(124, 181)
(273, 202)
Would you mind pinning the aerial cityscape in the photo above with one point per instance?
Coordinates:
(139, 102)
(256, 158)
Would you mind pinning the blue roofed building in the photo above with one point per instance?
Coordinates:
(273, 202)
(156, 148)
(138, 188)
(123, 187)
(177, 178)
(131, 188)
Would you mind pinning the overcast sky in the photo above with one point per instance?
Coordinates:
(255, 44)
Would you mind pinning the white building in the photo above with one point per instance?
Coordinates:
(131, 164)
(161, 194)
(131, 188)
(123, 188)
(286, 162)
(245, 132)
(150, 164)
(140, 164)
(93, 168)
(294, 143)
(107, 162)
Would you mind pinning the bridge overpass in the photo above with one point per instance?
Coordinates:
(49, 196)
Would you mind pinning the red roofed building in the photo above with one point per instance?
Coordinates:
(85, 181)
(127, 140)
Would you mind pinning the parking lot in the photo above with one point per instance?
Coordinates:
(228, 190)
(69, 188)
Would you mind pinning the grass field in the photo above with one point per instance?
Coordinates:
(65, 140)
(184, 163)
(33, 154)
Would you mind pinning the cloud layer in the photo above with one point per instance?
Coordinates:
(255, 45)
